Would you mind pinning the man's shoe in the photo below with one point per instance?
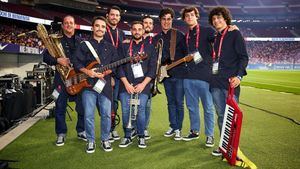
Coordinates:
(217, 153)
(142, 143)
(169, 133)
(90, 147)
(125, 142)
(106, 146)
(60, 141)
(209, 141)
(111, 139)
(177, 135)
(82, 136)
(147, 136)
(115, 135)
(193, 135)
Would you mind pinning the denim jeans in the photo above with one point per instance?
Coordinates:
(148, 111)
(194, 90)
(60, 113)
(140, 122)
(219, 97)
(89, 100)
(175, 96)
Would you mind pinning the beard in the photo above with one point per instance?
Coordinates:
(137, 37)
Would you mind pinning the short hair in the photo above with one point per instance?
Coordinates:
(166, 11)
(113, 7)
(98, 18)
(136, 22)
(220, 11)
(189, 9)
(146, 16)
(68, 16)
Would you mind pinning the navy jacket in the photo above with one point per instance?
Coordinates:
(114, 35)
(148, 65)
(180, 52)
(202, 70)
(107, 54)
(69, 46)
(233, 59)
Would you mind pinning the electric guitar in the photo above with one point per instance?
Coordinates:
(75, 82)
(163, 69)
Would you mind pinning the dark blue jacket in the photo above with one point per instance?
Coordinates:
(180, 52)
(107, 54)
(148, 65)
(202, 70)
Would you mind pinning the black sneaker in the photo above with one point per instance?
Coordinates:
(193, 135)
(125, 142)
(142, 143)
(209, 141)
(106, 146)
(147, 136)
(169, 133)
(177, 135)
(90, 147)
(115, 135)
(60, 141)
(111, 139)
(217, 153)
(82, 136)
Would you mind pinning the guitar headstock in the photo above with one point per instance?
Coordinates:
(139, 57)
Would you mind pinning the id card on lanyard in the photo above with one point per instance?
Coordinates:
(197, 56)
(216, 58)
(98, 87)
(137, 67)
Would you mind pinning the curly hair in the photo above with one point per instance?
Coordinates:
(220, 11)
(166, 11)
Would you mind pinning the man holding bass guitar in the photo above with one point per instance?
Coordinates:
(100, 94)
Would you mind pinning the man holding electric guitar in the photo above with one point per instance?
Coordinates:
(174, 48)
(99, 91)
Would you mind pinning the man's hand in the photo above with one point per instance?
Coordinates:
(139, 87)
(91, 73)
(129, 88)
(232, 28)
(63, 61)
(234, 82)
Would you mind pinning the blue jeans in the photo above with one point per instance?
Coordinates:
(194, 90)
(219, 97)
(148, 111)
(140, 122)
(89, 100)
(60, 113)
(175, 96)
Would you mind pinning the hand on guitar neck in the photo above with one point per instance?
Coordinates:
(93, 74)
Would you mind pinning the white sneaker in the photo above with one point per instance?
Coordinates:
(115, 135)
(147, 136)
(177, 135)
(169, 133)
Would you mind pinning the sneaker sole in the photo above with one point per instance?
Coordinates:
(209, 145)
(116, 138)
(123, 146)
(169, 135)
(108, 150)
(84, 139)
(216, 155)
(59, 145)
(89, 152)
(177, 139)
(147, 138)
(190, 139)
(142, 146)
(111, 141)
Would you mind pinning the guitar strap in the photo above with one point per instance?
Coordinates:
(91, 48)
(173, 43)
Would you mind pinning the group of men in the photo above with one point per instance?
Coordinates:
(219, 61)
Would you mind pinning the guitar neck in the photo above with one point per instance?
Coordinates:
(113, 65)
(175, 63)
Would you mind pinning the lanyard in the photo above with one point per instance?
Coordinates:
(197, 37)
(130, 48)
(150, 39)
(112, 39)
(220, 44)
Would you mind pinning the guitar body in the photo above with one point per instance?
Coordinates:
(163, 73)
(74, 84)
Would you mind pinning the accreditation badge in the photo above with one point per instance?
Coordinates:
(197, 57)
(137, 70)
(55, 94)
(98, 87)
(215, 68)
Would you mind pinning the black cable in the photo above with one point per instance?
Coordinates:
(270, 112)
